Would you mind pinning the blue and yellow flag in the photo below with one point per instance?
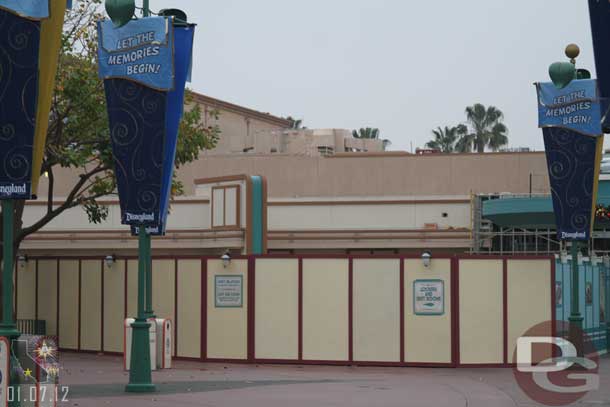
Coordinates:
(27, 75)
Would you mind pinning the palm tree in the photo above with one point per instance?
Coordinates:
(371, 133)
(295, 124)
(445, 139)
(368, 132)
(485, 129)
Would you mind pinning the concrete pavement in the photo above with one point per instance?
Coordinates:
(99, 381)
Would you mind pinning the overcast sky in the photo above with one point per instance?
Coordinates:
(403, 66)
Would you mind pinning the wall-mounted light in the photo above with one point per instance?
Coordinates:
(226, 259)
(22, 261)
(426, 258)
(563, 257)
(110, 260)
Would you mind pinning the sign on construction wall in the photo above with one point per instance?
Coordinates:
(428, 297)
(228, 291)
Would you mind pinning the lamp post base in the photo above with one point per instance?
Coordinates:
(9, 331)
(576, 333)
(140, 388)
(140, 376)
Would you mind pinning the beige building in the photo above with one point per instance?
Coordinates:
(245, 130)
(353, 202)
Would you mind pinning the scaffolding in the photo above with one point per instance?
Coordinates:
(489, 238)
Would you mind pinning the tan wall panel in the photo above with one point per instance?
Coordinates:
(427, 337)
(405, 216)
(529, 297)
(91, 305)
(188, 319)
(132, 288)
(325, 309)
(376, 310)
(47, 294)
(26, 291)
(481, 311)
(227, 330)
(277, 309)
(164, 290)
(114, 306)
(68, 304)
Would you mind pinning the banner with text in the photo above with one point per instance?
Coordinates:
(145, 98)
(18, 100)
(573, 161)
(571, 122)
(141, 51)
(28, 65)
(575, 107)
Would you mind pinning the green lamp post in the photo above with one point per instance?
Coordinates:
(148, 215)
(562, 74)
(140, 375)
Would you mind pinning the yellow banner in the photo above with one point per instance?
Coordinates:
(50, 43)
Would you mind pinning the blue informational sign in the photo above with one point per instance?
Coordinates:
(18, 102)
(31, 9)
(575, 107)
(140, 51)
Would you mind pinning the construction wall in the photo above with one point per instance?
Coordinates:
(460, 310)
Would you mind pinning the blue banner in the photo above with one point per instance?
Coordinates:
(18, 102)
(575, 107)
(140, 51)
(599, 12)
(175, 109)
(573, 163)
(144, 116)
(137, 129)
(31, 9)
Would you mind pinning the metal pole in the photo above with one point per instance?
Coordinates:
(148, 255)
(7, 253)
(8, 328)
(607, 305)
(575, 318)
(146, 8)
(140, 377)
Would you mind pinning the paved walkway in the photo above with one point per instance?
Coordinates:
(99, 381)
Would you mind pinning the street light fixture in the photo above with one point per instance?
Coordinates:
(426, 258)
(22, 260)
(110, 260)
(226, 259)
